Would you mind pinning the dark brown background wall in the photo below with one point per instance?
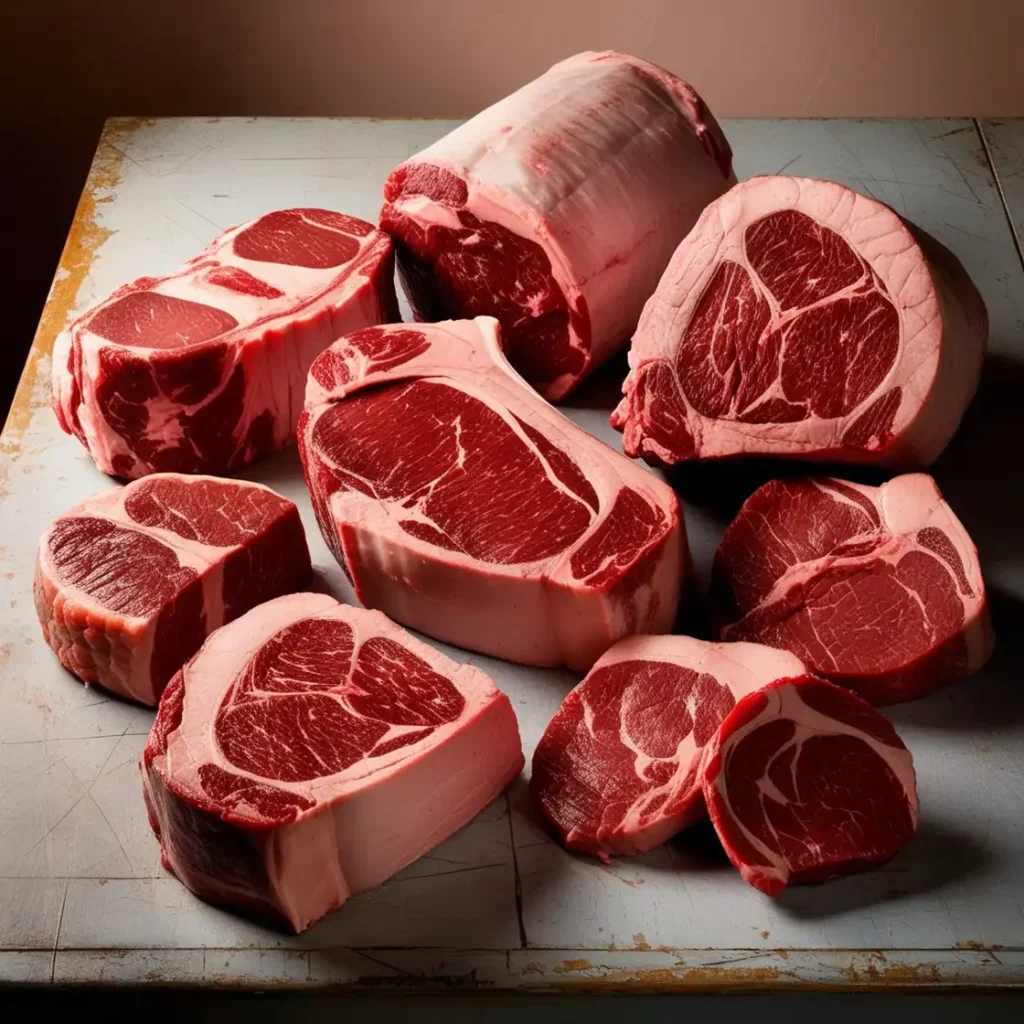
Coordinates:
(66, 64)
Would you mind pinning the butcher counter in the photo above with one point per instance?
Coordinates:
(500, 906)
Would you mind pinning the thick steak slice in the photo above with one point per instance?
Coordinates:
(618, 768)
(203, 371)
(310, 750)
(805, 782)
(129, 583)
(876, 588)
(463, 505)
(557, 209)
(802, 319)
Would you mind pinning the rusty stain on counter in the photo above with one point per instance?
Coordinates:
(666, 978)
(897, 974)
(573, 966)
(713, 978)
(982, 947)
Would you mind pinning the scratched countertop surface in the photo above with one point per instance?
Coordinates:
(83, 898)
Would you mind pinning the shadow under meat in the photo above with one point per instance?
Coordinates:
(975, 473)
(721, 486)
(698, 849)
(603, 388)
(937, 856)
(992, 700)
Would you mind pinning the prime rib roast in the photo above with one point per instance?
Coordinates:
(463, 505)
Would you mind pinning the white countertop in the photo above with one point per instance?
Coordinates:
(82, 895)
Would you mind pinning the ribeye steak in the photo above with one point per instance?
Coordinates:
(876, 588)
(463, 505)
(805, 782)
(130, 582)
(311, 749)
(618, 770)
(802, 319)
(557, 209)
(203, 371)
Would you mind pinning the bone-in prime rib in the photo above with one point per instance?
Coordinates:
(876, 588)
(805, 782)
(130, 582)
(203, 371)
(618, 770)
(557, 209)
(802, 319)
(311, 749)
(465, 506)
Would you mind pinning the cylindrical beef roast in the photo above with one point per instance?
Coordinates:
(557, 209)
(802, 319)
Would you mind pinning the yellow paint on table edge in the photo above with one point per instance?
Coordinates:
(84, 240)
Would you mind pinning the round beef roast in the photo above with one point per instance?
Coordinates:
(618, 770)
(802, 319)
(311, 750)
(806, 782)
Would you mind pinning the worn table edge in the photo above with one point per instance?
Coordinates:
(526, 970)
(85, 237)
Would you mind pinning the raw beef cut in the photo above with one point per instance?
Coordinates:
(463, 505)
(129, 583)
(203, 371)
(618, 768)
(310, 750)
(802, 319)
(876, 588)
(806, 782)
(557, 209)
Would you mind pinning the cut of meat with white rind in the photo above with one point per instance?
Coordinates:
(465, 506)
(876, 588)
(802, 319)
(806, 782)
(618, 770)
(311, 750)
(130, 582)
(556, 210)
(203, 371)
